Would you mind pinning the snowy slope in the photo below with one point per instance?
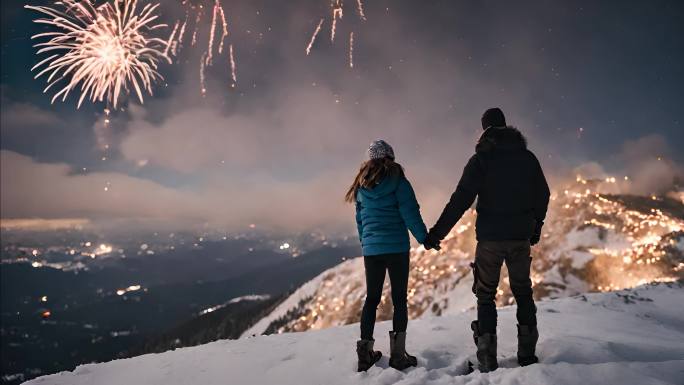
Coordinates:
(301, 294)
(628, 337)
(592, 242)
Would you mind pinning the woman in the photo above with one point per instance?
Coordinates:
(385, 207)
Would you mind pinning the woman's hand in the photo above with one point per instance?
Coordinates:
(431, 243)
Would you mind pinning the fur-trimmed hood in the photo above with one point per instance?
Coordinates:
(503, 138)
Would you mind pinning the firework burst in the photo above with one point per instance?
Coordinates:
(101, 52)
(214, 12)
(336, 14)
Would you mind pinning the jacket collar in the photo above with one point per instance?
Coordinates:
(500, 138)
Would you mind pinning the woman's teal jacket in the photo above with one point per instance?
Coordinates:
(383, 214)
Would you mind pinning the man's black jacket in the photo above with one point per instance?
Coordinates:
(512, 192)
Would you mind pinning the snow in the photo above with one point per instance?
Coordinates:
(579, 258)
(304, 292)
(250, 297)
(627, 337)
(461, 297)
(680, 244)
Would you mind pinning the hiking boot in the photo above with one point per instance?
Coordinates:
(399, 359)
(527, 341)
(486, 348)
(486, 352)
(367, 356)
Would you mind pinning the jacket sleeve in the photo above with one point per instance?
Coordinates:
(359, 226)
(410, 210)
(464, 196)
(542, 195)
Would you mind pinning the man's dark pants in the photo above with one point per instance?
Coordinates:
(489, 257)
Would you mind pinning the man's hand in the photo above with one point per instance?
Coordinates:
(535, 239)
(431, 243)
(537, 233)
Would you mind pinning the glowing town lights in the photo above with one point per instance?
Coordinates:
(103, 249)
(46, 314)
(284, 246)
(120, 292)
(36, 264)
(43, 298)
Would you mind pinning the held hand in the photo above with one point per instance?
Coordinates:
(430, 243)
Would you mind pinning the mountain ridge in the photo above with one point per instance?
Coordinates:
(592, 241)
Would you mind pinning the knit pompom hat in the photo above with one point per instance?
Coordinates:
(379, 149)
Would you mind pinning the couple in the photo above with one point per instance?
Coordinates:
(512, 200)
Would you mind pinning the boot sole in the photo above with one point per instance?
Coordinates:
(401, 367)
(528, 361)
(483, 370)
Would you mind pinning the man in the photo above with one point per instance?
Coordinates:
(512, 200)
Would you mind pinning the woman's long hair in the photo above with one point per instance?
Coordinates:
(371, 173)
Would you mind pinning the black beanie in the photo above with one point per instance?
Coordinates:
(493, 117)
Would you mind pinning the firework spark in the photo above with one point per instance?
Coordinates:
(313, 37)
(224, 25)
(351, 49)
(359, 7)
(212, 32)
(337, 13)
(203, 86)
(198, 18)
(182, 31)
(233, 67)
(104, 51)
(171, 42)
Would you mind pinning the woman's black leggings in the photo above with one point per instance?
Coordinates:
(398, 266)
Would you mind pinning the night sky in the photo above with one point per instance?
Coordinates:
(594, 85)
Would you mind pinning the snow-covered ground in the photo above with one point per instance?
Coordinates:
(627, 337)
